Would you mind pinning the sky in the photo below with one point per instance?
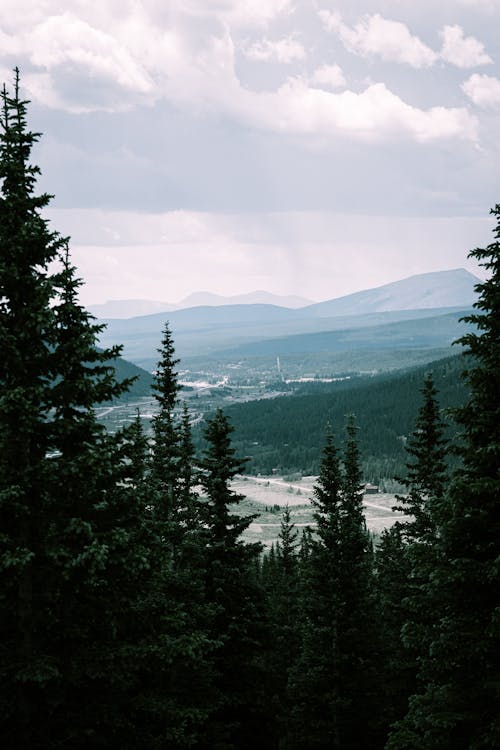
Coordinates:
(307, 147)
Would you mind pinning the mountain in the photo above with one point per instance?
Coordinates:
(454, 288)
(253, 298)
(433, 332)
(132, 308)
(143, 379)
(439, 289)
(207, 330)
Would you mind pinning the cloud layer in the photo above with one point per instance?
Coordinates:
(226, 141)
(110, 59)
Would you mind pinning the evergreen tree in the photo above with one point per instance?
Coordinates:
(457, 706)
(69, 568)
(335, 678)
(426, 476)
(166, 448)
(174, 696)
(358, 625)
(282, 585)
(240, 624)
(398, 671)
(412, 546)
(315, 680)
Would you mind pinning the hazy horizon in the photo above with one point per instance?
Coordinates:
(313, 149)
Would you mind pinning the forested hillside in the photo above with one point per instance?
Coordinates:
(134, 613)
(142, 380)
(285, 434)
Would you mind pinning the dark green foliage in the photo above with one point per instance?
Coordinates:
(140, 380)
(175, 694)
(315, 680)
(398, 672)
(407, 558)
(286, 433)
(281, 580)
(70, 567)
(457, 705)
(333, 682)
(166, 450)
(426, 476)
(243, 719)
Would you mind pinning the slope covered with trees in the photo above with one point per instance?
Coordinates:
(286, 433)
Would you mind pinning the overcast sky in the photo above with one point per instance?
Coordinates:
(304, 147)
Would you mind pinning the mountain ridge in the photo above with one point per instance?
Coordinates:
(123, 309)
(208, 329)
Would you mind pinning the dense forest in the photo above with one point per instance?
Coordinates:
(285, 434)
(133, 613)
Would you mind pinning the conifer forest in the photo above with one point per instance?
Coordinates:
(134, 615)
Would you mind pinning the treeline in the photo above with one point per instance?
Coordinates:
(285, 434)
(133, 614)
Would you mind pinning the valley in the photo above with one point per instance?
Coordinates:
(286, 376)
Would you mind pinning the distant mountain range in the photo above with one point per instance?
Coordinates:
(453, 288)
(131, 308)
(252, 329)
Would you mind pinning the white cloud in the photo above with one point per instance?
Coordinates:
(330, 76)
(66, 39)
(132, 58)
(282, 50)
(483, 90)
(375, 114)
(393, 41)
(375, 35)
(464, 52)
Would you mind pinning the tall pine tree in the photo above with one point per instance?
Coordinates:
(240, 623)
(70, 569)
(457, 706)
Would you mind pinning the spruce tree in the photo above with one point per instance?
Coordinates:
(240, 623)
(358, 625)
(426, 475)
(282, 586)
(398, 671)
(315, 680)
(70, 568)
(334, 680)
(412, 546)
(457, 706)
(175, 695)
(166, 448)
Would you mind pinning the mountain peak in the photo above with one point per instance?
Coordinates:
(437, 289)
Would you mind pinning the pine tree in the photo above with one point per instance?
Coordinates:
(70, 570)
(457, 706)
(281, 581)
(335, 678)
(412, 545)
(426, 476)
(174, 695)
(315, 681)
(358, 625)
(240, 623)
(398, 671)
(166, 449)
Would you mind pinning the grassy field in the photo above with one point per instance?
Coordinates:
(267, 496)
